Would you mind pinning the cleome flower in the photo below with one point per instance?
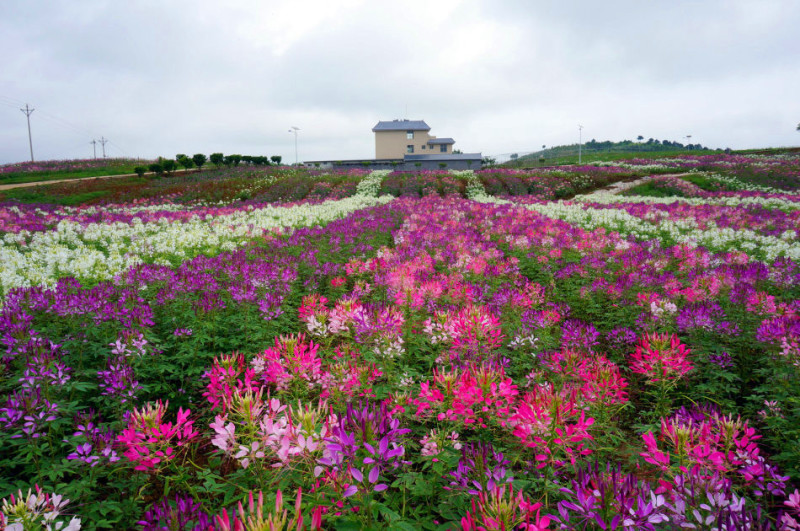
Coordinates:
(149, 441)
(661, 357)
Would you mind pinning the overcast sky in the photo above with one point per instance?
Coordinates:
(165, 77)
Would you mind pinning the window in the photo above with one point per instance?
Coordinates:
(409, 135)
(410, 148)
(423, 146)
(443, 148)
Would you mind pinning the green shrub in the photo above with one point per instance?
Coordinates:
(156, 168)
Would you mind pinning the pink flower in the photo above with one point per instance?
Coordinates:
(149, 441)
(661, 357)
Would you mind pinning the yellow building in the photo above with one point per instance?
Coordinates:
(398, 138)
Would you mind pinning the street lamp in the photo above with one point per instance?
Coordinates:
(580, 141)
(295, 130)
(688, 141)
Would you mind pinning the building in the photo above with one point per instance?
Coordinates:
(398, 138)
(406, 145)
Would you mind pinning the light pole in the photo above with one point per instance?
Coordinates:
(27, 111)
(295, 130)
(688, 140)
(580, 141)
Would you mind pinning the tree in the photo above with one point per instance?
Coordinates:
(488, 161)
(236, 159)
(228, 160)
(156, 168)
(185, 161)
(276, 159)
(199, 159)
(457, 152)
(217, 159)
(140, 171)
(798, 127)
(640, 138)
(514, 156)
(169, 165)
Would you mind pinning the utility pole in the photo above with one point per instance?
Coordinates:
(103, 141)
(580, 142)
(28, 112)
(294, 130)
(94, 147)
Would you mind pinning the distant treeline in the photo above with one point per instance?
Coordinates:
(607, 146)
(652, 144)
(198, 160)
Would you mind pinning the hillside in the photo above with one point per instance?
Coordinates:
(608, 150)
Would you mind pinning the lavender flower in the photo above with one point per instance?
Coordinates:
(27, 410)
(480, 468)
(578, 335)
(611, 500)
(119, 380)
(723, 360)
(180, 514)
(622, 337)
(705, 316)
(366, 436)
(95, 446)
(702, 501)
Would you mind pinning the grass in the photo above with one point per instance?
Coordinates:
(709, 185)
(608, 156)
(651, 189)
(26, 195)
(33, 177)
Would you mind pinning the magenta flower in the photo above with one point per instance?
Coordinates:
(661, 357)
(149, 441)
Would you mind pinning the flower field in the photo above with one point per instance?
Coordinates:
(613, 346)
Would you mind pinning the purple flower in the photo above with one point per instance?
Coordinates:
(480, 468)
(611, 500)
(699, 501)
(622, 337)
(367, 436)
(723, 360)
(27, 410)
(119, 380)
(97, 446)
(705, 316)
(179, 514)
(578, 335)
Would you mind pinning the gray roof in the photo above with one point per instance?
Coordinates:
(441, 141)
(402, 125)
(444, 158)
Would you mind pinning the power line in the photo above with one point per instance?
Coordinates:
(118, 147)
(28, 113)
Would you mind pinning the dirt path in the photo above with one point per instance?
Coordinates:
(621, 186)
(44, 183)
